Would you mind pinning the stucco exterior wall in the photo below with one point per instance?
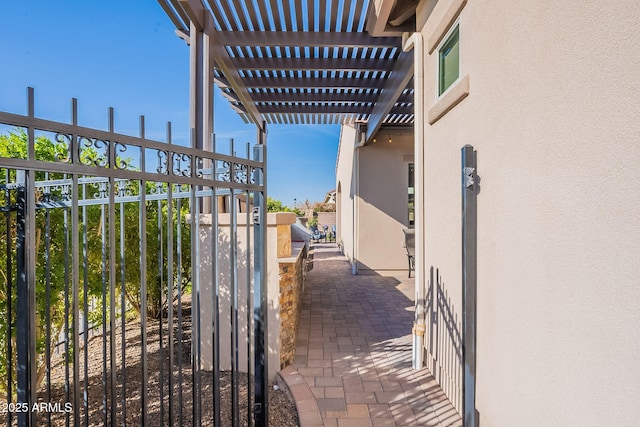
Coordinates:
(376, 177)
(275, 223)
(552, 111)
(345, 189)
(383, 202)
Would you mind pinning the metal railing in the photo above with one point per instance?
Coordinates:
(102, 231)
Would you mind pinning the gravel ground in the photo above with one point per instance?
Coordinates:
(282, 412)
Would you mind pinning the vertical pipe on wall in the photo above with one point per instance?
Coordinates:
(360, 141)
(469, 284)
(415, 42)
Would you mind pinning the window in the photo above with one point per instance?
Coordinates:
(411, 197)
(449, 63)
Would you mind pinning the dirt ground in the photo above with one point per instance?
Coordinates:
(171, 401)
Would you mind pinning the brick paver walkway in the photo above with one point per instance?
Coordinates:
(353, 356)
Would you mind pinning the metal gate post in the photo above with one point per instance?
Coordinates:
(23, 306)
(25, 298)
(469, 282)
(260, 409)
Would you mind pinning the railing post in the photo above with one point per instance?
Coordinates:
(259, 214)
(22, 305)
(469, 283)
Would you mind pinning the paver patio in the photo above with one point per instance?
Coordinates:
(353, 355)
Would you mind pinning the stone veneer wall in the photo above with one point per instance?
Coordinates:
(291, 286)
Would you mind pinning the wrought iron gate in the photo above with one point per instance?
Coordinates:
(108, 273)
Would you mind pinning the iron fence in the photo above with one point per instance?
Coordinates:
(102, 232)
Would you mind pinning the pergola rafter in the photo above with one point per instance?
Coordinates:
(303, 62)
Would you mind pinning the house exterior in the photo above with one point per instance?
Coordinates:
(547, 94)
(330, 197)
(544, 95)
(373, 198)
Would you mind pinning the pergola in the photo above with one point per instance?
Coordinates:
(310, 62)
(299, 61)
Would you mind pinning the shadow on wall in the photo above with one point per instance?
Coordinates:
(444, 339)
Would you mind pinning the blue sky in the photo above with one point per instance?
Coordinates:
(125, 54)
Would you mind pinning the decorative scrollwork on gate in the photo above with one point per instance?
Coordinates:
(93, 151)
(102, 190)
(240, 173)
(163, 162)
(254, 175)
(43, 194)
(121, 163)
(67, 140)
(223, 171)
(123, 188)
(203, 167)
(59, 193)
(158, 188)
(65, 192)
(181, 164)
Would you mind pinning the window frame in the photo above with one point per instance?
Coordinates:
(455, 26)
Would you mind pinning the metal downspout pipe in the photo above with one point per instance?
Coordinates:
(360, 141)
(414, 41)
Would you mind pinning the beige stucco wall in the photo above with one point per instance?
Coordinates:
(383, 201)
(553, 113)
(381, 198)
(245, 266)
(345, 189)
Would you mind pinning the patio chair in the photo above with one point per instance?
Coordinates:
(410, 246)
(316, 234)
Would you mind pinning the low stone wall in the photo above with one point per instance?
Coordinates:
(291, 272)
